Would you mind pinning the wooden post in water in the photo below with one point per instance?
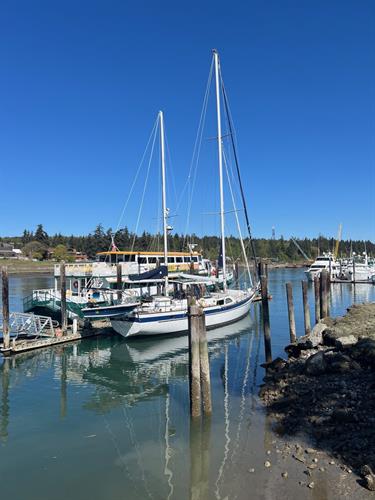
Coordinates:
(317, 298)
(5, 296)
(292, 321)
(306, 309)
(323, 294)
(266, 312)
(204, 364)
(353, 270)
(194, 361)
(119, 281)
(64, 318)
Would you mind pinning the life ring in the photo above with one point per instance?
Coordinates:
(75, 284)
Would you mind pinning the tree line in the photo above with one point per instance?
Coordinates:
(38, 244)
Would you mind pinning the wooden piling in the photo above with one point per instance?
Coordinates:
(204, 364)
(292, 321)
(64, 317)
(194, 361)
(317, 298)
(5, 297)
(306, 309)
(119, 281)
(266, 312)
(323, 294)
(353, 270)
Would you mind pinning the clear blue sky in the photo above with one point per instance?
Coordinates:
(81, 83)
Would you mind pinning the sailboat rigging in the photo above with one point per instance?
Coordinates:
(165, 314)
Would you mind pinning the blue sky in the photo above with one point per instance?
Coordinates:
(81, 84)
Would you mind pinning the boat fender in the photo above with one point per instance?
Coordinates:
(202, 302)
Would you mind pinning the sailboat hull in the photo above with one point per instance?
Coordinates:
(177, 321)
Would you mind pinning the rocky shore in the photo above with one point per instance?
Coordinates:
(324, 393)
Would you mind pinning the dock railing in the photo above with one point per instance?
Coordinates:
(30, 324)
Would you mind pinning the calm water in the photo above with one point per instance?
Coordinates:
(109, 418)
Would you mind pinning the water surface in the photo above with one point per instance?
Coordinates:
(109, 418)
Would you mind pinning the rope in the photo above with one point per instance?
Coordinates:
(196, 153)
(231, 129)
(237, 220)
(144, 189)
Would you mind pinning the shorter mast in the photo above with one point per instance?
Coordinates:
(220, 152)
(164, 203)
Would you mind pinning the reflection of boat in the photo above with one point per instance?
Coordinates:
(149, 350)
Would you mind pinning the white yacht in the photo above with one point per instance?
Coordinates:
(326, 261)
(359, 269)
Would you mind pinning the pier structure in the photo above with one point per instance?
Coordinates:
(28, 331)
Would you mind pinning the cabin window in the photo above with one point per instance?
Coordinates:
(171, 260)
(130, 258)
(142, 260)
(195, 259)
(113, 258)
(220, 302)
(228, 301)
(152, 260)
(179, 259)
(161, 260)
(186, 259)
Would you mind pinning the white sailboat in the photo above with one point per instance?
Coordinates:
(164, 314)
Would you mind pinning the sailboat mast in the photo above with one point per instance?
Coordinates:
(220, 152)
(164, 203)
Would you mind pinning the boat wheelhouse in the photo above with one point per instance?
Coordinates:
(102, 273)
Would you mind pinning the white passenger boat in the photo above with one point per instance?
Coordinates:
(164, 314)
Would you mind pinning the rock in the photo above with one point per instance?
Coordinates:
(315, 460)
(276, 365)
(284, 475)
(251, 470)
(331, 462)
(267, 464)
(315, 338)
(322, 469)
(268, 452)
(370, 482)
(311, 485)
(300, 458)
(310, 450)
(343, 342)
(316, 364)
(344, 415)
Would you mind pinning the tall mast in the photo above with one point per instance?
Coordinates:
(164, 203)
(220, 152)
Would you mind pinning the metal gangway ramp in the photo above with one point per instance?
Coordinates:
(30, 325)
